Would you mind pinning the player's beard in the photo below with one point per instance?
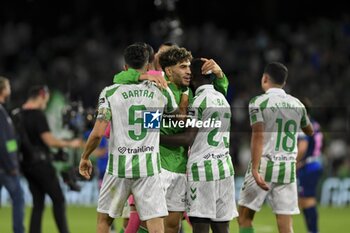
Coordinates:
(184, 82)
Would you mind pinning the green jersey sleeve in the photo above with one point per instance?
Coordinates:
(221, 84)
(197, 108)
(130, 76)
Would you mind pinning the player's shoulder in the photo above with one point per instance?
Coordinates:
(200, 100)
(256, 100)
(218, 99)
(114, 85)
(295, 100)
(151, 86)
(216, 93)
(109, 90)
(145, 85)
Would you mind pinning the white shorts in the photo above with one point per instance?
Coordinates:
(212, 199)
(174, 185)
(283, 198)
(126, 210)
(148, 193)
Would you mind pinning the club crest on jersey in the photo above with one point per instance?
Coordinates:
(151, 120)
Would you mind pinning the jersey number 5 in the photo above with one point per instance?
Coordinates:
(135, 121)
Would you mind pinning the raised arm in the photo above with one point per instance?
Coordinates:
(132, 76)
(220, 82)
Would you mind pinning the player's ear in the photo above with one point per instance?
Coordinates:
(168, 71)
(149, 67)
(265, 78)
(284, 83)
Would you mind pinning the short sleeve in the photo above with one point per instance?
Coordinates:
(197, 108)
(42, 124)
(193, 112)
(255, 113)
(170, 102)
(104, 110)
(305, 121)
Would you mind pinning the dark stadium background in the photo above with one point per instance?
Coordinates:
(75, 47)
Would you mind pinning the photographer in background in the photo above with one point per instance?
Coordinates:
(37, 160)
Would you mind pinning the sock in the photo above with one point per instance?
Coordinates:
(246, 230)
(187, 219)
(142, 230)
(134, 223)
(311, 219)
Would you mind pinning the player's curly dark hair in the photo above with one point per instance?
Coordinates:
(173, 56)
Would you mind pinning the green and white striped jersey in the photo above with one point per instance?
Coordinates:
(283, 115)
(133, 146)
(209, 156)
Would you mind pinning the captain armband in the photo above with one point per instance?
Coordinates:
(104, 114)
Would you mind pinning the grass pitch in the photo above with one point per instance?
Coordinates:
(83, 220)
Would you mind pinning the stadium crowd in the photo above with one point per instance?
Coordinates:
(316, 54)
